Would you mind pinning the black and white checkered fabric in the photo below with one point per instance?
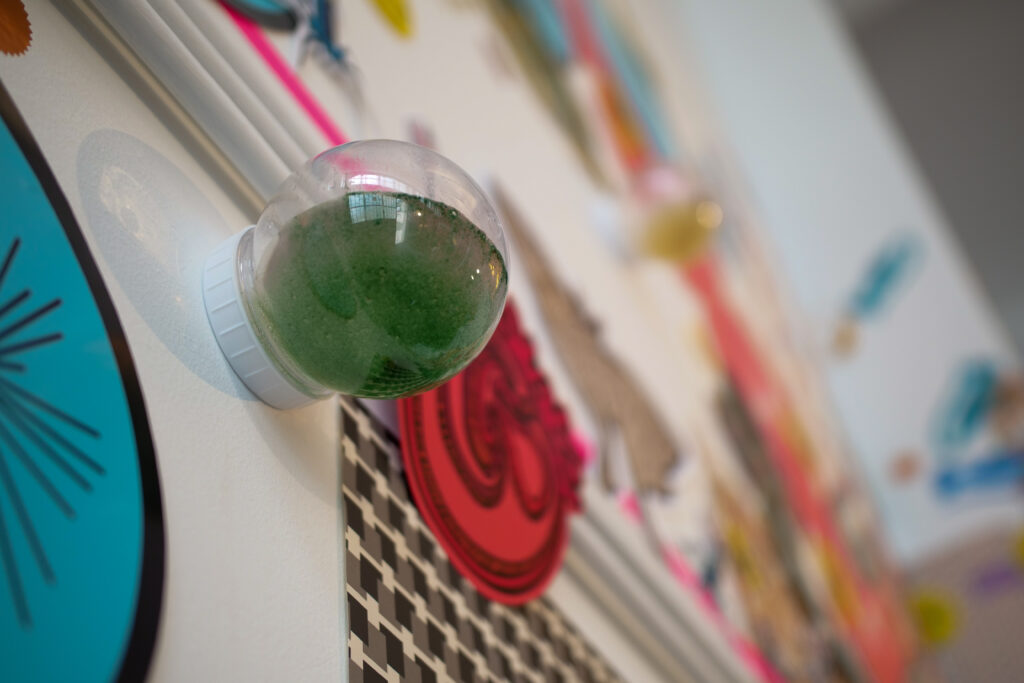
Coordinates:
(411, 616)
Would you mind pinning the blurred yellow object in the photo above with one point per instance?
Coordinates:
(840, 584)
(844, 339)
(936, 616)
(1018, 549)
(795, 435)
(706, 346)
(681, 231)
(742, 558)
(397, 14)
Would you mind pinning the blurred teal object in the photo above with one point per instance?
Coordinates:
(632, 76)
(321, 30)
(268, 13)
(315, 36)
(548, 26)
(966, 408)
(885, 273)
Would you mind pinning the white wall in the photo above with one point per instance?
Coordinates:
(951, 73)
(832, 180)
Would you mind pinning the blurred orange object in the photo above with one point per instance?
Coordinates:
(15, 30)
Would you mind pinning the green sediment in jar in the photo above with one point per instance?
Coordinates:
(380, 294)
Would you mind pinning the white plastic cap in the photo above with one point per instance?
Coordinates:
(238, 342)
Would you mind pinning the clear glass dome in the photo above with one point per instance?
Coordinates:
(378, 270)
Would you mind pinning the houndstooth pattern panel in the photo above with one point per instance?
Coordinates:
(411, 615)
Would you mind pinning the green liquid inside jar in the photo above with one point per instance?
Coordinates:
(380, 294)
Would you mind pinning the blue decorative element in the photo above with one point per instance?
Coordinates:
(966, 409)
(81, 536)
(633, 79)
(315, 35)
(267, 13)
(268, 6)
(1001, 469)
(316, 29)
(548, 26)
(890, 266)
(320, 25)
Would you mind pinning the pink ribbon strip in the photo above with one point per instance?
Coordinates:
(289, 79)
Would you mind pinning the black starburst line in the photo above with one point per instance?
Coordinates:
(44, 482)
(49, 408)
(11, 570)
(13, 303)
(18, 423)
(30, 318)
(30, 344)
(22, 414)
(29, 531)
(57, 438)
(9, 259)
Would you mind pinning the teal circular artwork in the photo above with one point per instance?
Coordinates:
(81, 528)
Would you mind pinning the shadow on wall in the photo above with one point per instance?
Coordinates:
(155, 229)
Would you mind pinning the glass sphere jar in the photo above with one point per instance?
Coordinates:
(377, 270)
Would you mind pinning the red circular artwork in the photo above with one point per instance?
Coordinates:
(493, 469)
